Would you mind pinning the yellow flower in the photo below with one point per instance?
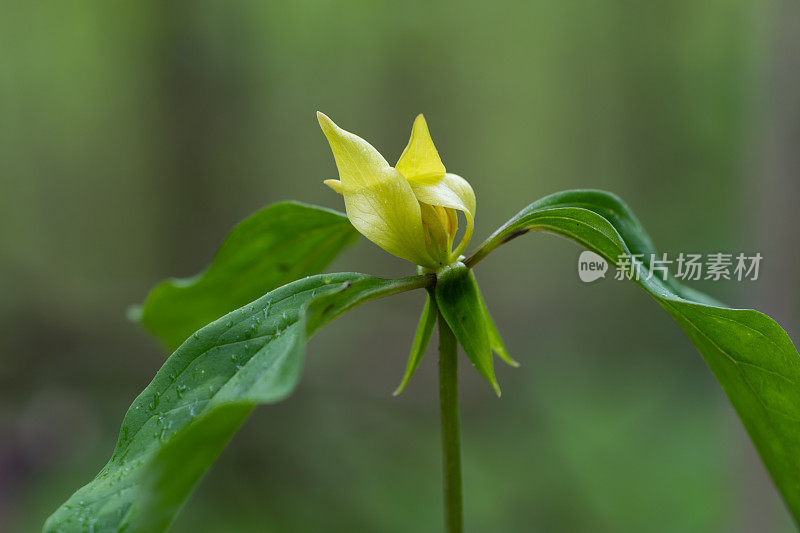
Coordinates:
(409, 210)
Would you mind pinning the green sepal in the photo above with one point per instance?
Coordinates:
(421, 340)
(460, 304)
(495, 340)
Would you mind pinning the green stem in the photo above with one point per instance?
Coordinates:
(451, 438)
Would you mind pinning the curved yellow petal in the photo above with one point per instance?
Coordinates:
(437, 235)
(454, 192)
(336, 185)
(379, 201)
(420, 160)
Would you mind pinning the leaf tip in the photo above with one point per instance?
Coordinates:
(495, 386)
(400, 388)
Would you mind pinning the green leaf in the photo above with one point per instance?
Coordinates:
(421, 339)
(203, 393)
(751, 356)
(460, 304)
(281, 243)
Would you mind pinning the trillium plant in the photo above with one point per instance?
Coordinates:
(238, 330)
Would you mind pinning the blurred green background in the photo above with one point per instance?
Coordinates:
(133, 135)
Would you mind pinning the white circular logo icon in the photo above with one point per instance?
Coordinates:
(591, 267)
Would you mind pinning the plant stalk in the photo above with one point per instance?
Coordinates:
(451, 433)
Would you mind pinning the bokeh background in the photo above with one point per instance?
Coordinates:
(134, 135)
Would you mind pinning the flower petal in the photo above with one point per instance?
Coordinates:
(336, 185)
(437, 236)
(379, 201)
(420, 159)
(454, 192)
